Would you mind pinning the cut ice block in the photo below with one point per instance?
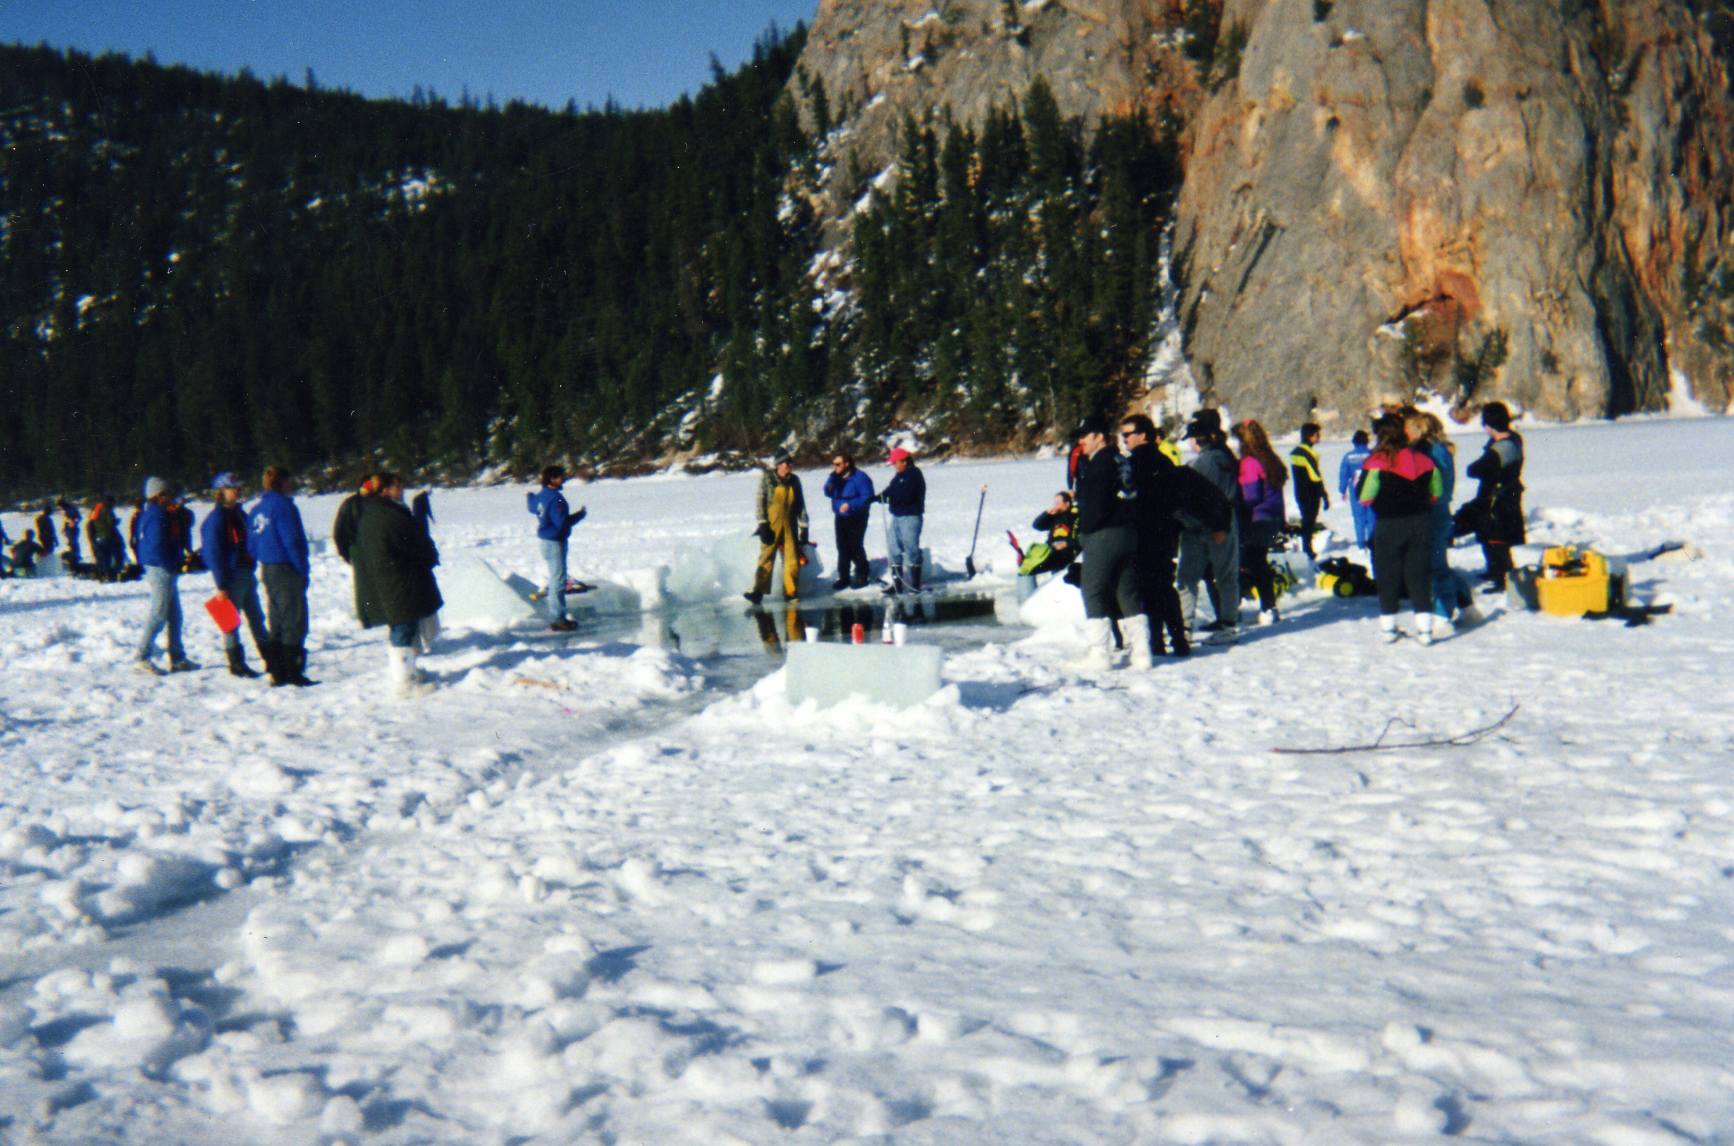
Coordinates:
(477, 596)
(898, 675)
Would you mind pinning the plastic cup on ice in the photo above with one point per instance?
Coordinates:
(899, 633)
(812, 636)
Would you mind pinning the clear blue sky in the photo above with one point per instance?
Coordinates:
(644, 53)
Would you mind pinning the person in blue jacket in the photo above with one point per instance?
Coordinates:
(554, 522)
(278, 543)
(223, 542)
(161, 544)
(1348, 481)
(906, 497)
(851, 494)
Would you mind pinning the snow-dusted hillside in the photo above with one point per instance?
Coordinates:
(583, 894)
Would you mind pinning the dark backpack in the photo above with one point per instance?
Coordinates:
(1199, 506)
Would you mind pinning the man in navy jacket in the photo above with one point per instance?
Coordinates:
(851, 494)
(906, 497)
(161, 544)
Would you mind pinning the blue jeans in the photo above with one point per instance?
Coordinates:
(554, 554)
(165, 613)
(906, 540)
(243, 593)
(1447, 585)
(1363, 515)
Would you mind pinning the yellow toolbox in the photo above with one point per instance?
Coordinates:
(1573, 581)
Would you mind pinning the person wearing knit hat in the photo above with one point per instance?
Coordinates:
(1498, 504)
(782, 528)
(161, 545)
(223, 539)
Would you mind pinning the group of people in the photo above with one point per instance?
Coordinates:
(1151, 530)
(782, 525)
(97, 525)
(259, 564)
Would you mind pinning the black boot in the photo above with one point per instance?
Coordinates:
(896, 585)
(297, 658)
(238, 664)
(915, 577)
(273, 654)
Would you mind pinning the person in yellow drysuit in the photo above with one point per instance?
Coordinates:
(782, 512)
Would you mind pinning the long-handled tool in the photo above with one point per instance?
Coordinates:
(969, 562)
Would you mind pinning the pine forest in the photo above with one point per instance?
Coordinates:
(201, 272)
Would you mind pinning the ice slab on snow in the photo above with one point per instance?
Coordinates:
(726, 569)
(899, 675)
(477, 596)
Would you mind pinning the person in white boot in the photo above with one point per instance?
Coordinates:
(1401, 485)
(1109, 541)
(394, 581)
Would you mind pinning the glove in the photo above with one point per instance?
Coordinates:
(765, 534)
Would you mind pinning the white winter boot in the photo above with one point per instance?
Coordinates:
(405, 681)
(1443, 629)
(1098, 643)
(1424, 627)
(1388, 628)
(1136, 633)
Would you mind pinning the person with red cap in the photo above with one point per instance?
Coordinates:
(905, 497)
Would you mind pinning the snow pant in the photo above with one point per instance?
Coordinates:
(786, 541)
(1448, 589)
(906, 545)
(1403, 550)
(165, 613)
(1363, 515)
(110, 558)
(1497, 554)
(285, 605)
(554, 557)
(1309, 519)
(1218, 565)
(852, 547)
(243, 593)
(1156, 553)
(1255, 561)
(1110, 580)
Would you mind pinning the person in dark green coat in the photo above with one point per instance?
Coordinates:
(394, 561)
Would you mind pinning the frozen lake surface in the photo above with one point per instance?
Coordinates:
(617, 888)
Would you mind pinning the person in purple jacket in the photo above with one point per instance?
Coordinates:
(278, 543)
(851, 494)
(1261, 479)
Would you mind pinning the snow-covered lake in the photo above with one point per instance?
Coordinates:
(584, 892)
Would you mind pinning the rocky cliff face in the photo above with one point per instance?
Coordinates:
(1526, 199)
(881, 60)
(1478, 197)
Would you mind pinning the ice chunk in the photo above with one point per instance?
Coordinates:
(900, 675)
(476, 596)
(726, 569)
(1057, 605)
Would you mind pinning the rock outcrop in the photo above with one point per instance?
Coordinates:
(882, 60)
(1391, 193)
(1479, 198)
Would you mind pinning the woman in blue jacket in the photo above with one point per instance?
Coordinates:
(851, 494)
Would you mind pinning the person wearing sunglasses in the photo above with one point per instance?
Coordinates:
(851, 494)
